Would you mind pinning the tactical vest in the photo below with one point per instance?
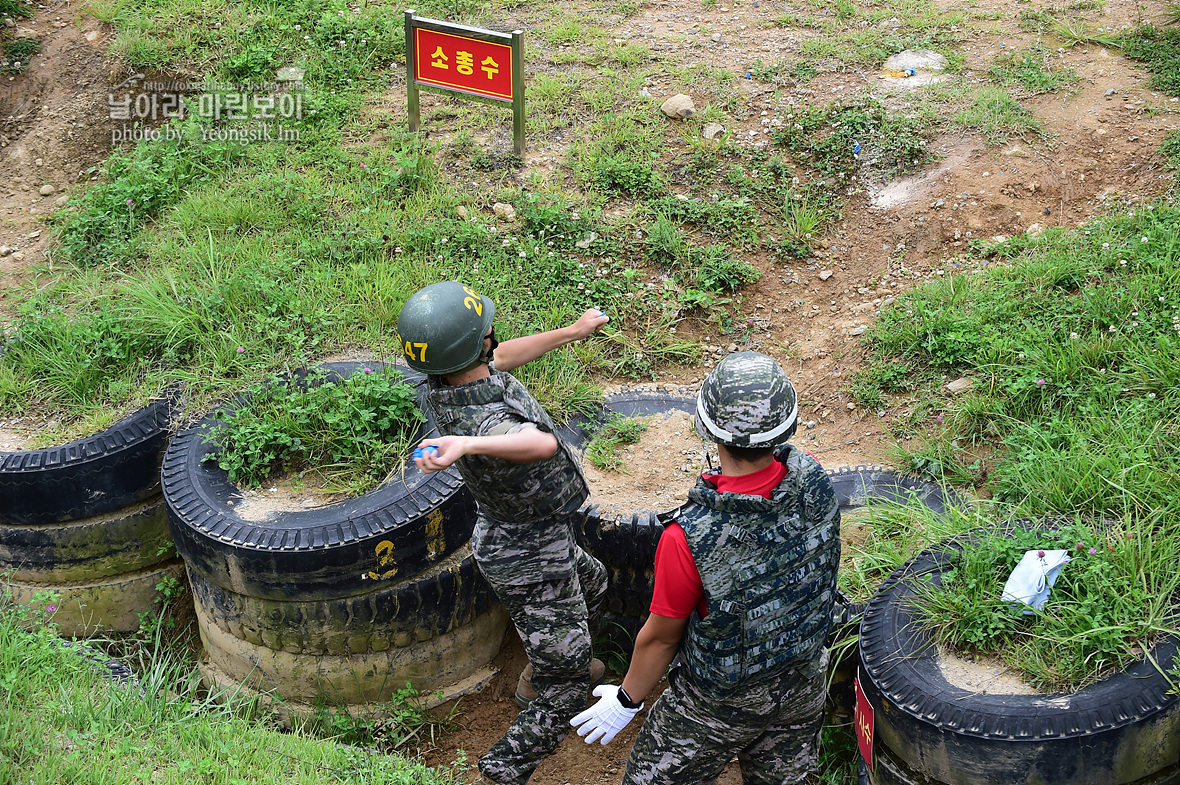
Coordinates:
(505, 490)
(768, 567)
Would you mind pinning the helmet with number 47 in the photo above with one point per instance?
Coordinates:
(441, 328)
(747, 401)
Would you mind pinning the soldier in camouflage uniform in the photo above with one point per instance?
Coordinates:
(528, 487)
(745, 582)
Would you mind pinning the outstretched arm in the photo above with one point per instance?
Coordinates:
(518, 351)
(528, 445)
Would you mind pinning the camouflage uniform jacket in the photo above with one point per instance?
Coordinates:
(768, 567)
(521, 543)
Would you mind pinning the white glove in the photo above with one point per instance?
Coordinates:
(606, 718)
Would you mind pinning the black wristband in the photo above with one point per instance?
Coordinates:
(625, 700)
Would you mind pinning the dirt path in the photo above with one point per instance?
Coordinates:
(54, 127)
(1101, 148)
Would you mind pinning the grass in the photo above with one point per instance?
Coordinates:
(1158, 48)
(617, 432)
(353, 432)
(1032, 71)
(64, 723)
(998, 116)
(1109, 601)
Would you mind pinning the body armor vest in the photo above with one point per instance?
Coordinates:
(505, 490)
(768, 567)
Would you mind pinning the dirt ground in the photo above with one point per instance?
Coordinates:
(1101, 147)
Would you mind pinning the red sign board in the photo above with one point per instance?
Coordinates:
(462, 63)
(862, 718)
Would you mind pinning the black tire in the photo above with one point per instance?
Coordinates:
(1123, 729)
(399, 529)
(111, 470)
(122, 541)
(857, 486)
(448, 595)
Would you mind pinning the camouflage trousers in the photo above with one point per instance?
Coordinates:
(687, 739)
(553, 621)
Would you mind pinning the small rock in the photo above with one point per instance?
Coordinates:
(39, 162)
(710, 131)
(1109, 92)
(462, 212)
(715, 37)
(960, 385)
(679, 107)
(8, 22)
(851, 406)
(504, 211)
(825, 275)
(62, 200)
(1034, 229)
(290, 74)
(858, 330)
(34, 235)
(940, 203)
(644, 93)
(917, 60)
(18, 256)
(586, 241)
(47, 190)
(809, 424)
(91, 36)
(5, 250)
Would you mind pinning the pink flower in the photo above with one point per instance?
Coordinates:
(363, 166)
(938, 418)
(1092, 551)
(1080, 546)
(130, 202)
(51, 608)
(1040, 381)
(368, 370)
(241, 350)
(1040, 554)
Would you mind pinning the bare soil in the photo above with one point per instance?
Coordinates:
(1101, 149)
(656, 471)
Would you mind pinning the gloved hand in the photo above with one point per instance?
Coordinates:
(606, 718)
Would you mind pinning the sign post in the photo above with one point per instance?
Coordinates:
(451, 59)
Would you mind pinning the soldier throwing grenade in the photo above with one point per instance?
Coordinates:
(744, 588)
(527, 486)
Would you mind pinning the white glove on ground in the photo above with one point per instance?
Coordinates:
(606, 718)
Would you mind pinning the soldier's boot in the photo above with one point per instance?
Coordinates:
(524, 685)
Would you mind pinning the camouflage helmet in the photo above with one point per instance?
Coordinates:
(747, 401)
(442, 326)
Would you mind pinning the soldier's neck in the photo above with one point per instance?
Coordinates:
(732, 466)
(470, 375)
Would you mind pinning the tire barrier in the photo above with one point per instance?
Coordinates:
(346, 602)
(1122, 729)
(86, 522)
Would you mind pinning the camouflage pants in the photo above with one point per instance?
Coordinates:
(552, 619)
(688, 739)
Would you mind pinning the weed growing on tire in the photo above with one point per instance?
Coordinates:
(354, 431)
(1109, 601)
(400, 724)
(616, 432)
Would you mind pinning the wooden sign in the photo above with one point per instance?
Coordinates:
(481, 65)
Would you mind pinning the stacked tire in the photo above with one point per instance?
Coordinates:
(344, 603)
(927, 730)
(85, 524)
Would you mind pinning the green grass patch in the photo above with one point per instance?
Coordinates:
(998, 116)
(1032, 71)
(1072, 346)
(1170, 150)
(353, 432)
(617, 432)
(64, 723)
(1110, 600)
(1158, 48)
(836, 138)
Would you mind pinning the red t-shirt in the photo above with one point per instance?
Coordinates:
(678, 582)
